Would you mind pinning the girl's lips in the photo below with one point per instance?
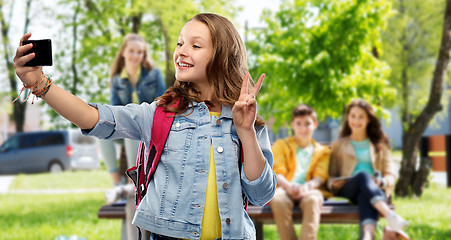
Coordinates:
(183, 65)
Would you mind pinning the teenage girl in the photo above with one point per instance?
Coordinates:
(362, 156)
(134, 79)
(196, 191)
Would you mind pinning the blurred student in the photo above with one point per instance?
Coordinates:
(301, 165)
(361, 158)
(134, 79)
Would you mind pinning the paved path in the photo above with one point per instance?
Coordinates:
(57, 191)
(5, 181)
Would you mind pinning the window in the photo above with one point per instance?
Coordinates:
(11, 144)
(41, 139)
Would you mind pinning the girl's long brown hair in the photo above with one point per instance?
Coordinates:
(225, 71)
(119, 61)
(373, 129)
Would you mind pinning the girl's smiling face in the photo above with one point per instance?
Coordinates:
(134, 53)
(357, 120)
(193, 53)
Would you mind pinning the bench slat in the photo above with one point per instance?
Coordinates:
(111, 211)
(332, 212)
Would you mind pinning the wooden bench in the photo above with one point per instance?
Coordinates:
(332, 212)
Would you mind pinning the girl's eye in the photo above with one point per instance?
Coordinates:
(195, 46)
(179, 44)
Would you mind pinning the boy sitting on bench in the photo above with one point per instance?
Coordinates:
(301, 166)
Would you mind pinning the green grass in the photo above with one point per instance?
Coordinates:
(47, 216)
(429, 219)
(396, 153)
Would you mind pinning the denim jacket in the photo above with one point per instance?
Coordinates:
(175, 198)
(149, 86)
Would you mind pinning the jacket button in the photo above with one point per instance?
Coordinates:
(228, 220)
(220, 149)
(218, 122)
(225, 185)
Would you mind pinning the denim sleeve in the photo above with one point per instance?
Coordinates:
(161, 86)
(131, 121)
(261, 190)
(114, 98)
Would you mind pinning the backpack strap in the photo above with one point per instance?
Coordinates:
(162, 122)
(146, 166)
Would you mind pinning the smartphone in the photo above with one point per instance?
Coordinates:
(43, 50)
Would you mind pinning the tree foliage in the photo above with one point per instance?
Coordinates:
(323, 53)
(19, 107)
(417, 54)
(410, 44)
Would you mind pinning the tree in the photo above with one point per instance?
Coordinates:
(409, 47)
(19, 107)
(323, 53)
(413, 134)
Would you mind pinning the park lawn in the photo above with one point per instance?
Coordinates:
(47, 216)
(429, 219)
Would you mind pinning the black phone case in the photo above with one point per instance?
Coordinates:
(43, 50)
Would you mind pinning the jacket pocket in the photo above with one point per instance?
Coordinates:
(181, 135)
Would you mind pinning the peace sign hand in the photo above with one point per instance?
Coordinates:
(245, 109)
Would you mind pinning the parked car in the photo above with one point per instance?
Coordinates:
(52, 151)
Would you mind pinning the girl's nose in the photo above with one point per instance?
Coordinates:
(182, 51)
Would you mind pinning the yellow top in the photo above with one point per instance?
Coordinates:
(124, 74)
(211, 222)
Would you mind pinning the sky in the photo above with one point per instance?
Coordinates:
(252, 10)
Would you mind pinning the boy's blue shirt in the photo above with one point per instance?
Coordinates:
(175, 199)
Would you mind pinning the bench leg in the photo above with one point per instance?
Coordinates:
(259, 230)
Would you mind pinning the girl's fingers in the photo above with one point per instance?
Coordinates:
(22, 50)
(24, 59)
(244, 85)
(251, 102)
(258, 85)
(25, 37)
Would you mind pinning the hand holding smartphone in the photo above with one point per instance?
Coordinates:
(43, 50)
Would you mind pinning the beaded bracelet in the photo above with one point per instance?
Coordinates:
(41, 92)
(38, 93)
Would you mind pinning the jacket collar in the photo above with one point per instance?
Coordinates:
(226, 112)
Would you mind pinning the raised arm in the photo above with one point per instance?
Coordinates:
(64, 103)
(244, 116)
